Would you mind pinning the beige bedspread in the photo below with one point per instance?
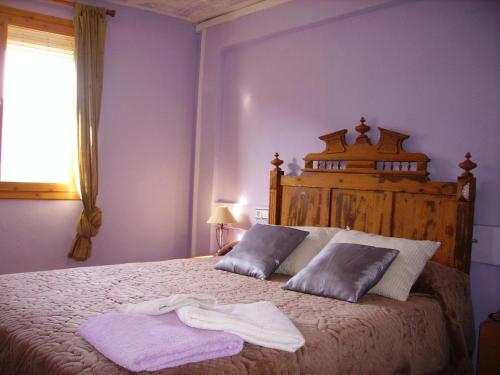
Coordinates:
(40, 314)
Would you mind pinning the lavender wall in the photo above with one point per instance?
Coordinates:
(276, 80)
(145, 152)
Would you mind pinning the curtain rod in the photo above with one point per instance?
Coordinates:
(109, 12)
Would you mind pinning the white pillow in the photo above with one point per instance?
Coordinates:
(317, 238)
(404, 271)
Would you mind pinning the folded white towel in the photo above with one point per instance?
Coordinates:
(259, 323)
(164, 305)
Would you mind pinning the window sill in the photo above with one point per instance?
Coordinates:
(39, 191)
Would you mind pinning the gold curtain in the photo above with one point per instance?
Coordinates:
(90, 32)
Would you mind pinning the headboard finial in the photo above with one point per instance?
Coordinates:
(362, 128)
(276, 161)
(467, 165)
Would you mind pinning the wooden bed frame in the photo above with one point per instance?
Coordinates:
(378, 188)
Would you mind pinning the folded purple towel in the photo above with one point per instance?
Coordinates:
(143, 342)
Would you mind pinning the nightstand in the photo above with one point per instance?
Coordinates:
(488, 359)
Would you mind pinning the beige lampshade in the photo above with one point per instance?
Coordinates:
(221, 215)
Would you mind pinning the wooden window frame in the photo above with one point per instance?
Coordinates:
(42, 22)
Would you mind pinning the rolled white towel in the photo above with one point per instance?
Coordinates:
(260, 323)
(166, 304)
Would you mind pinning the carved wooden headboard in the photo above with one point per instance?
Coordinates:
(378, 188)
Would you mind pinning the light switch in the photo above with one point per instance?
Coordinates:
(261, 213)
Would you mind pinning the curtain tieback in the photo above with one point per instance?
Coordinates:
(89, 223)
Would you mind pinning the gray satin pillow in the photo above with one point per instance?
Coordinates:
(261, 250)
(344, 271)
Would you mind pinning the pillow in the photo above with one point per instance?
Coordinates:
(404, 271)
(344, 271)
(261, 250)
(317, 238)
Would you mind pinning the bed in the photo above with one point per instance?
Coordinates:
(376, 188)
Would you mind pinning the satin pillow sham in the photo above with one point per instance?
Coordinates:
(261, 250)
(343, 271)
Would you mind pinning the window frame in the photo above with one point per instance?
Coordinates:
(42, 22)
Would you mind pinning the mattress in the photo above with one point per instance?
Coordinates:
(40, 313)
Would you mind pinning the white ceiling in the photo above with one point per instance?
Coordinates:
(190, 10)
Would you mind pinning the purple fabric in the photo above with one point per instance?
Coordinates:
(142, 342)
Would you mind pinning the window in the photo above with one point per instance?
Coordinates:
(38, 122)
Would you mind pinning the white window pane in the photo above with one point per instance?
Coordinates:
(38, 129)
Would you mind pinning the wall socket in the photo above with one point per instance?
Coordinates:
(262, 213)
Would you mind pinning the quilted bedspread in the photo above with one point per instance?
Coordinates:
(40, 314)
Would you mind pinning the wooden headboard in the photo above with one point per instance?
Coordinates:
(378, 188)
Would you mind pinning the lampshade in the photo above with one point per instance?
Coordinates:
(221, 215)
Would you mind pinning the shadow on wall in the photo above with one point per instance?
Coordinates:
(294, 168)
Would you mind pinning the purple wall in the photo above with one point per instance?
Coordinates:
(276, 80)
(145, 152)
(426, 68)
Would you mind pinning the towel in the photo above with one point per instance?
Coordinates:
(149, 343)
(260, 323)
(164, 305)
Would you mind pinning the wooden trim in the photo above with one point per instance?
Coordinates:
(356, 181)
(36, 21)
(109, 12)
(387, 157)
(42, 22)
(231, 16)
(37, 190)
(361, 170)
(275, 191)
